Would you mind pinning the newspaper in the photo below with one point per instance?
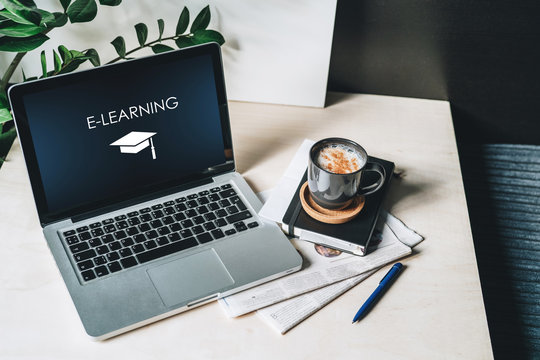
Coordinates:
(285, 315)
(322, 266)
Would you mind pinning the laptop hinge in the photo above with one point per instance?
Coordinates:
(138, 200)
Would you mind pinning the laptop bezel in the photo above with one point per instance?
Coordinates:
(16, 96)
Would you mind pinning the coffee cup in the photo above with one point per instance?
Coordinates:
(335, 169)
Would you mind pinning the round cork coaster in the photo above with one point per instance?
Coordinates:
(330, 216)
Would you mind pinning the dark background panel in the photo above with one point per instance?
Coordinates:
(482, 56)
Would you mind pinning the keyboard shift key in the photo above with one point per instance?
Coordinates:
(84, 255)
(85, 265)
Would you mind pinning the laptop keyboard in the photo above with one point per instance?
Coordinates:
(137, 237)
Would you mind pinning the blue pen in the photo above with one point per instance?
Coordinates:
(385, 283)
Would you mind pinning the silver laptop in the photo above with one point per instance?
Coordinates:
(133, 175)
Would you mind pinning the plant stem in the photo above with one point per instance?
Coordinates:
(174, 37)
(10, 70)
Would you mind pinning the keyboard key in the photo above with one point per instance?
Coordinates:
(139, 238)
(132, 214)
(69, 233)
(157, 206)
(158, 214)
(191, 213)
(94, 242)
(243, 215)
(95, 225)
(110, 228)
(107, 221)
(156, 223)
(114, 266)
(82, 228)
(240, 226)
(127, 242)
(88, 275)
(132, 231)
(236, 201)
(230, 232)
(120, 217)
(252, 225)
(186, 223)
(85, 265)
(113, 256)
(150, 244)
(192, 204)
(220, 222)
(101, 271)
(145, 217)
(197, 229)
(213, 206)
(215, 190)
(84, 255)
(145, 210)
(115, 245)
(232, 209)
(209, 216)
(138, 248)
(144, 227)
(171, 237)
(213, 197)
(125, 252)
(175, 227)
(209, 226)
(186, 233)
(122, 224)
(204, 238)
(100, 260)
(217, 234)
(162, 240)
(166, 250)
(134, 221)
(221, 213)
(192, 196)
(226, 186)
(180, 199)
(97, 232)
(179, 217)
(224, 203)
(151, 234)
(198, 220)
(169, 210)
(202, 209)
(204, 192)
(107, 238)
(180, 207)
(169, 203)
(163, 230)
(120, 235)
(204, 200)
(227, 193)
(102, 250)
(85, 236)
(72, 239)
(128, 262)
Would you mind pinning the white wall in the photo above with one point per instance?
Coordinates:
(276, 51)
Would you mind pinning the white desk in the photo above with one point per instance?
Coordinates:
(435, 309)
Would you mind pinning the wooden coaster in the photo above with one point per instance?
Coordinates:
(330, 216)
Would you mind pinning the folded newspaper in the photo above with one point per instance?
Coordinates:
(322, 267)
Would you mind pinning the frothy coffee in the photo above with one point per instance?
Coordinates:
(340, 159)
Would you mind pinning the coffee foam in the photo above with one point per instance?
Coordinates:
(340, 159)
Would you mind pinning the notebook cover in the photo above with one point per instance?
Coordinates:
(357, 231)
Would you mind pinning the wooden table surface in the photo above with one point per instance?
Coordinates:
(434, 311)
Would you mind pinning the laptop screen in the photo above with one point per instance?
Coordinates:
(108, 134)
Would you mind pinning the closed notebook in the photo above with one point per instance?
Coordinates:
(352, 236)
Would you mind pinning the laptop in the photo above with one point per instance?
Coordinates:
(133, 175)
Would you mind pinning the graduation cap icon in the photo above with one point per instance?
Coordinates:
(136, 141)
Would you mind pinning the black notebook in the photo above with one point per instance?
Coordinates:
(352, 236)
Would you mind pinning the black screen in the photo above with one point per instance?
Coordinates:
(174, 107)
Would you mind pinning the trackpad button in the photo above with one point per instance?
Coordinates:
(190, 278)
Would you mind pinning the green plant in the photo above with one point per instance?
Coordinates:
(24, 27)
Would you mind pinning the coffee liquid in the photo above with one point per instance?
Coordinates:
(340, 159)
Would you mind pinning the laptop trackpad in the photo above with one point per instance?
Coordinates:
(190, 278)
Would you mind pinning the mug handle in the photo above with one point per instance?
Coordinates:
(378, 168)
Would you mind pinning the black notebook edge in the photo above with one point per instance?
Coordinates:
(357, 248)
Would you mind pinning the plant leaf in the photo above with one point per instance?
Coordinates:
(3, 99)
(60, 19)
(120, 46)
(13, 44)
(57, 62)
(205, 36)
(160, 48)
(82, 11)
(64, 53)
(5, 115)
(65, 4)
(11, 28)
(142, 33)
(93, 56)
(110, 2)
(76, 54)
(25, 10)
(202, 20)
(161, 27)
(183, 22)
(43, 64)
(72, 65)
(183, 42)
(47, 18)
